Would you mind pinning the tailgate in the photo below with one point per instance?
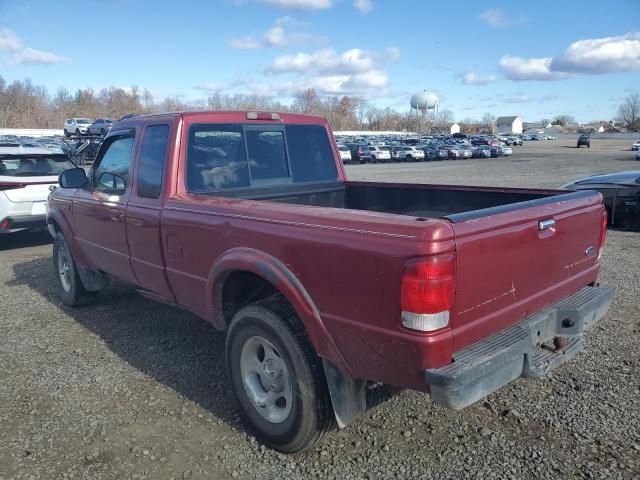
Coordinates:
(516, 259)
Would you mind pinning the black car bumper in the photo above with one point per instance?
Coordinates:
(17, 222)
(523, 350)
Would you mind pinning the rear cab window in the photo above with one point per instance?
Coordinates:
(239, 156)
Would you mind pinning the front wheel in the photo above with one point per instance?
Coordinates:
(277, 378)
(66, 133)
(72, 291)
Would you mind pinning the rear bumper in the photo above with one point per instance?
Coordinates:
(21, 222)
(519, 351)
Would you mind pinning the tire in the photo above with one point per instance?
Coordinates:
(72, 291)
(300, 413)
(102, 132)
(78, 132)
(408, 158)
(66, 133)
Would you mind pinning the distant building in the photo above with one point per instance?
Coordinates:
(535, 125)
(509, 125)
(454, 128)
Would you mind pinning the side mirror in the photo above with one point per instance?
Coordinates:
(73, 178)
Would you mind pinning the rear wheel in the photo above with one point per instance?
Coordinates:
(72, 291)
(408, 158)
(78, 131)
(66, 133)
(277, 378)
(103, 132)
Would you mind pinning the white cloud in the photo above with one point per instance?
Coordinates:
(495, 17)
(520, 69)
(244, 43)
(518, 99)
(276, 37)
(472, 78)
(9, 41)
(601, 55)
(210, 86)
(584, 57)
(350, 61)
(365, 6)
(329, 72)
(18, 54)
(300, 4)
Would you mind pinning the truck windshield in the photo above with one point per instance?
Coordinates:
(223, 156)
(33, 165)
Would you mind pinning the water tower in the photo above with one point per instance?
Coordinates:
(426, 104)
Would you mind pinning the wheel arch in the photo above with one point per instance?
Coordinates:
(249, 261)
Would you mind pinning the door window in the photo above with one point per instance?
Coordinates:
(115, 160)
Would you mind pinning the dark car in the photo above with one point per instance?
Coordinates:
(621, 193)
(584, 139)
(360, 153)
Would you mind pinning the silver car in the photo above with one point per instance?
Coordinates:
(100, 127)
(77, 126)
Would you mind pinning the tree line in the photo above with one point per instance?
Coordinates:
(26, 105)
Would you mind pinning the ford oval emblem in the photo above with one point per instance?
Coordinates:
(589, 251)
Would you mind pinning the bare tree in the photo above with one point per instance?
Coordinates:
(563, 120)
(629, 112)
(488, 123)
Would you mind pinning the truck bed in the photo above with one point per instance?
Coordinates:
(415, 200)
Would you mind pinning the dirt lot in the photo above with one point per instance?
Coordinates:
(128, 388)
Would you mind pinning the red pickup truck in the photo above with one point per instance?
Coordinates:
(321, 284)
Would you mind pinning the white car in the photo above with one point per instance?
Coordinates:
(411, 154)
(507, 151)
(379, 153)
(76, 126)
(27, 175)
(345, 153)
(636, 146)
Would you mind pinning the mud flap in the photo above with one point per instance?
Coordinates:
(348, 396)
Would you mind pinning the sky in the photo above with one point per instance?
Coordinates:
(532, 59)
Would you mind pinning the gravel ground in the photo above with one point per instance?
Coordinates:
(128, 388)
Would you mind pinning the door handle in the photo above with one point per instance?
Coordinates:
(116, 214)
(546, 224)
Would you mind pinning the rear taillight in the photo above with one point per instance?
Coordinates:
(4, 224)
(427, 293)
(603, 231)
(11, 185)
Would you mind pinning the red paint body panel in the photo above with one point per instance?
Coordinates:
(341, 269)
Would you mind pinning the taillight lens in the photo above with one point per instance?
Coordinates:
(427, 293)
(11, 185)
(603, 231)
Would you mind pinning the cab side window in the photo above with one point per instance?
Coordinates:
(151, 161)
(112, 172)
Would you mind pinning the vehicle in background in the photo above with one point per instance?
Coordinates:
(100, 127)
(247, 220)
(506, 150)
(443, 152)
(482, 151)
(27, 175)
(412, 154)
(360, 153)
(621, 192)
(584, 139)
(345, 153)
(551, 137)
(379, 153)
(455, 153)
(397, 153)
(76, 126)
(636, 146)
(430, 152)
(638, 155)
(465, 151)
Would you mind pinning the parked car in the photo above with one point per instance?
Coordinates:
(360, 153)
(77, 126)
(482, 151)
(27, 175)
(638, 155)
(506, 150)
(411, 153)
(458, 290)
(430, 152)
(345, 153)
(100, 127)
(584, 139)
(636, 146)
(621, 192)
(379, 153)
(454, 153)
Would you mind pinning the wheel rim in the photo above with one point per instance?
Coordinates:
(266, 379)
(64, 269)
